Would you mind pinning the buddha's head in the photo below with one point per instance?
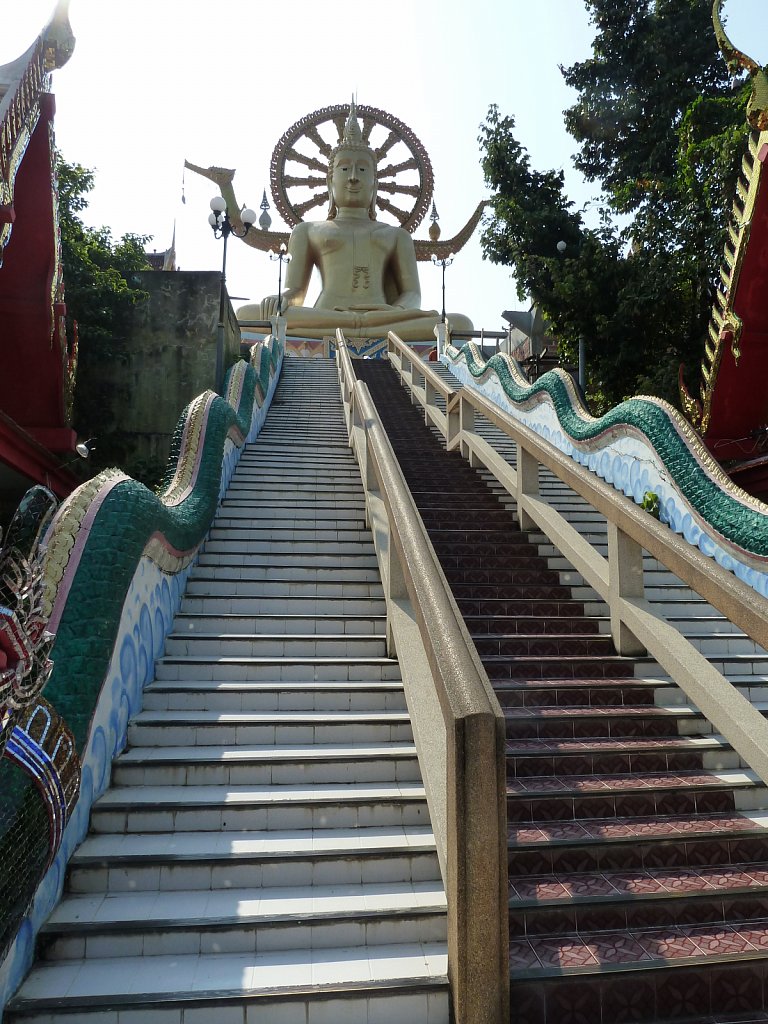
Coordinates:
(352, 172)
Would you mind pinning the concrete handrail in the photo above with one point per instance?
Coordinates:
(637, 625)
(457, 722)
(425, 383)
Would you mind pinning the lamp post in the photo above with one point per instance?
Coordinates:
(223, 228)
(282, 256)
(443, 264)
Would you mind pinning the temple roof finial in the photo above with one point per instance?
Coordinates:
(58, 36)
(757, 108)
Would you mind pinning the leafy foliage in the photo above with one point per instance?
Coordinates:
(660, 127)
(97, 272)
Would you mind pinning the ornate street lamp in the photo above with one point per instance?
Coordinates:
(223, 228)
(443, 263)
(282, 256)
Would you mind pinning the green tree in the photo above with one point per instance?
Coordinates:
(660, 126)
(100, 297)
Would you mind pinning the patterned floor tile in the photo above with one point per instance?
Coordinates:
(681, 881)
(734, 879)
(694, 825)
(629, 781)
(589, 784)
(522, 836)
(717, 941)
(564, 830)
(617, 948)
(668, 944)
(638, 883)
(564, 952)
(544, 888)
(756, 935)
(588, 885)
(546, 784)
(609, 829)
(521, 955)
(734, 823)
(661, 827)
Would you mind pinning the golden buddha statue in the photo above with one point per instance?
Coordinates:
(370, 281)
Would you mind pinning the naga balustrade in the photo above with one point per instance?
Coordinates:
(457, 722)
(637, 625)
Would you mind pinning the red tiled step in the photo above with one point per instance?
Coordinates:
(500, 667)
(650, 843)
(574, 692)
(530, 625)
(612, 886)
(491, 576)
(541, 757)
(599, 902)
(543, 645)
(549, 607)
(621, 796)
(506, 544)
(589, 722)
(656, 946)
(484, 592)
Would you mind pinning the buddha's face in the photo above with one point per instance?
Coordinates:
(353, 180)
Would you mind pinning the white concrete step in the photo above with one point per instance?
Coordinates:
(303, 515)
(309, 495)
(248, 625)
(306, 571)
(283, 533)
(397, 984)
(227, 586)
(271, 669)
(255, 859)
(306, 562)
(203, 728)
(282, 645)
(238, 921)
(266, 808)
(274, 548)
(226, 604)
(286, 765)
(190, 695)
(291, 482)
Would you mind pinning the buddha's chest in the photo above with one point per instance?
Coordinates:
(354, 245)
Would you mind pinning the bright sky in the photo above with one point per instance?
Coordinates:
(154, 81)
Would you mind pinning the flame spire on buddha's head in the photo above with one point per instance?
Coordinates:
(352, 141)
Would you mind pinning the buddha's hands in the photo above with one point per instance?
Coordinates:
(369, 308)
(269, 306)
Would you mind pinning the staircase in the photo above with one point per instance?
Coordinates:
(264, 855)
(638, 849)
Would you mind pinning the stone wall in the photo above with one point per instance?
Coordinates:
(167, 359)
